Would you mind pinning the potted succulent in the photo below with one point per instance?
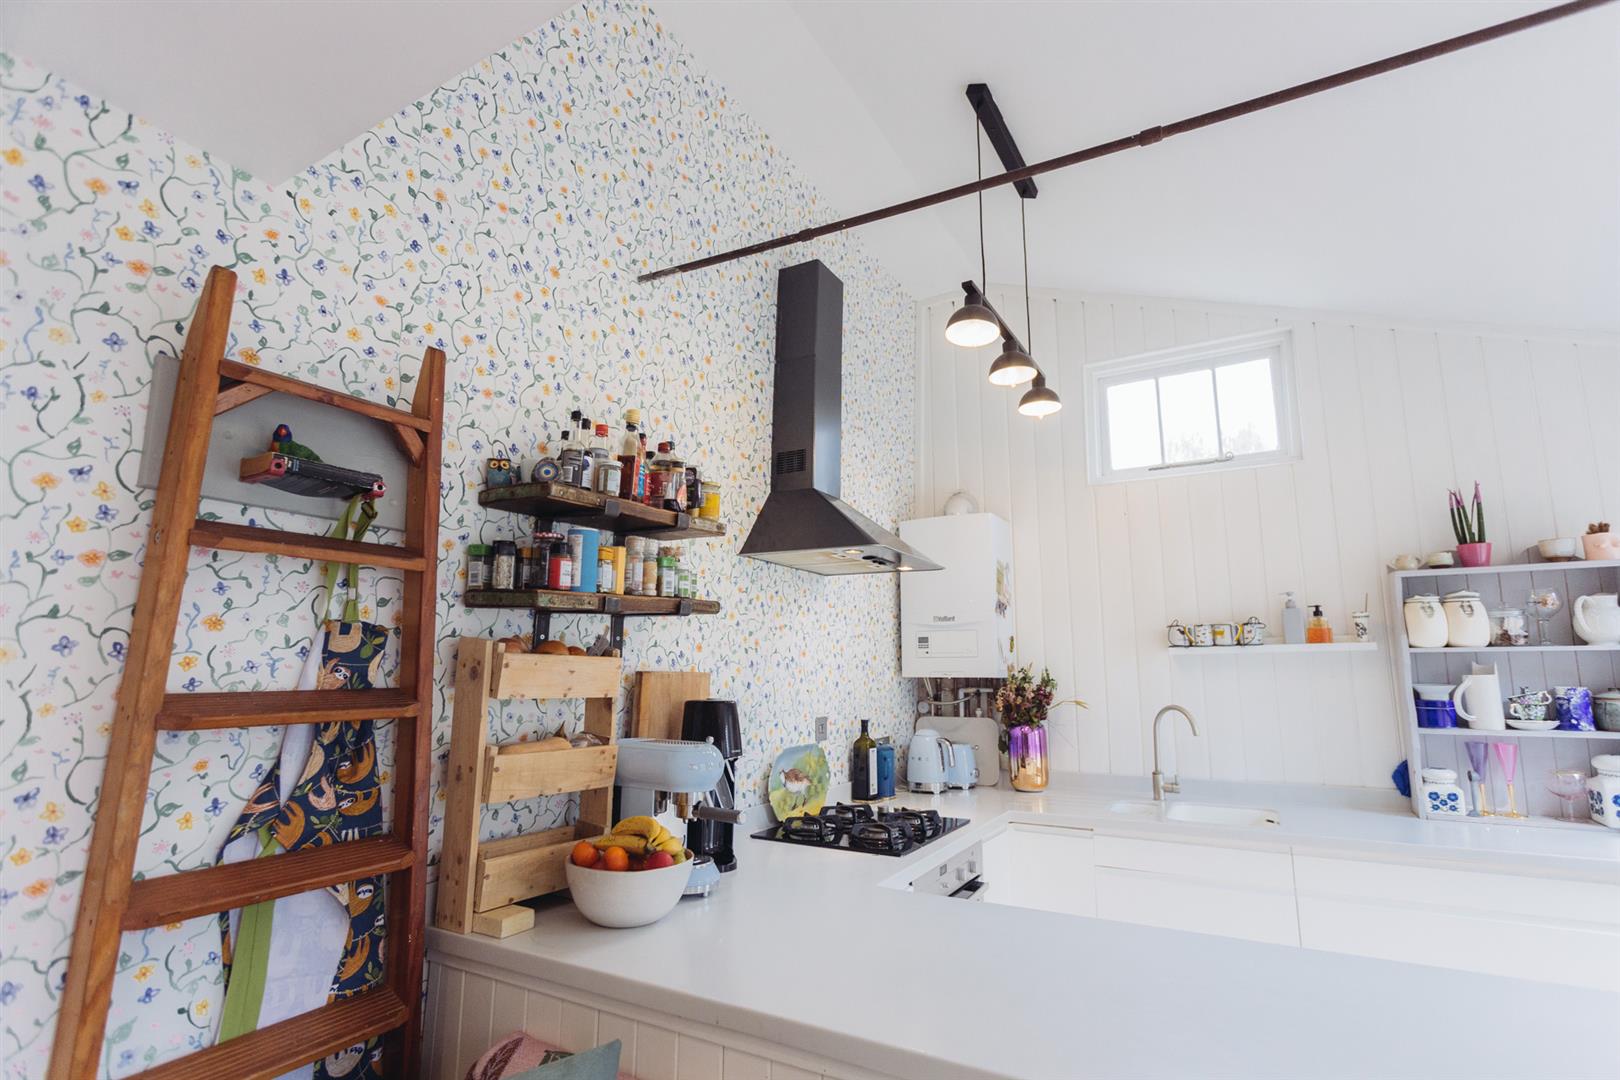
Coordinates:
(1600, 543)
(1024, 702)
(1468, 524)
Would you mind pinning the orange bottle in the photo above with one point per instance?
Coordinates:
(1317, 630)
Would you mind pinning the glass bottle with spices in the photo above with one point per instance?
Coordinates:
(523, 568)
(587, 459)
(600, 456)
(478, 566)
(673, 487)
(650, 482)
(504, 575)
(631, 480)
(694, 488)
(669, 571)
(709, 508)
(649, 569)
(560, 564)
(570, 454)
(633, 546)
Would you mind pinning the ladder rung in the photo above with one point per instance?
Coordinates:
(174, 897)
(284, 1046)
(240, 372)
(227, 537)
(264, 708)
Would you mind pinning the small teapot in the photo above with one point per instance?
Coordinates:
(1251, 631)
(1529, 704)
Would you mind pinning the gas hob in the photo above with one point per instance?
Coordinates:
(871, 830)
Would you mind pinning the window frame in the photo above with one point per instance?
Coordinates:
(1276, 343)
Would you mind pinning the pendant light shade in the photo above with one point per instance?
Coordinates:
(1039, 401)
(971, 326)
(1012, 368)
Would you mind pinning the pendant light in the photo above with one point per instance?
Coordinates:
(973, 324)
(1038, 400)
(1014, 366)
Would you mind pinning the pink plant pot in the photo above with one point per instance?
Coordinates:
(1474, 554)
(1601, 545)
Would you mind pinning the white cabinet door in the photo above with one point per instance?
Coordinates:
(1046, 867)
(1499, 924)
(1235, 892)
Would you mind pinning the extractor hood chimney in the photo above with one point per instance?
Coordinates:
(804, 524)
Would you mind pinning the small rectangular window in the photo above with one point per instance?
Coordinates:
(1217, 405)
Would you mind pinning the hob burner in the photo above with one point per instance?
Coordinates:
(865, 828)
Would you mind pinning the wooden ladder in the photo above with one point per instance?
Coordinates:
(112, 902)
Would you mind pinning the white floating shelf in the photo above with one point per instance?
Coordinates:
(1514, 648)
(1515, 568)
(1480, 733)
(1272, 648)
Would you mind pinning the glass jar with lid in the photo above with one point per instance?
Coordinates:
(1509, 626)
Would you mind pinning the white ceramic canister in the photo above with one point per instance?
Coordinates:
(1426, 622)
(1442, 797)
(1603, 790)
(1467, 624)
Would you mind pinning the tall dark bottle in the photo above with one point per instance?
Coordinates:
(863, 768)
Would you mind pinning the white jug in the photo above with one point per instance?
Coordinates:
(1597, 618)
(1425, 622)
(1483, 691)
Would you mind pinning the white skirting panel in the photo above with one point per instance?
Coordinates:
(1391, 416)
(470, 1006)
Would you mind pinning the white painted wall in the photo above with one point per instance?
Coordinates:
(1392, 414)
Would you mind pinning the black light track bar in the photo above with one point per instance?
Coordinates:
(995, 128)
(1148, 136)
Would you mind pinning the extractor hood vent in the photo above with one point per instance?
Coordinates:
(803, 523)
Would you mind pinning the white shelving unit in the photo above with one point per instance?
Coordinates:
(1273, 648)
(1562, 661)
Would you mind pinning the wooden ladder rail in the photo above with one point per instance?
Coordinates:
(111, 901)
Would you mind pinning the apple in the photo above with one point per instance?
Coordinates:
(660, 859)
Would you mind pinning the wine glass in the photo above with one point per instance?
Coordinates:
(1570, 787)
(1507, 755)
(1545, 603)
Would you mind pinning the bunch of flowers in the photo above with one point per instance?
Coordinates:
(1024, 700)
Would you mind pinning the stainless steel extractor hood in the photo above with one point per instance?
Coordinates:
(804, 524)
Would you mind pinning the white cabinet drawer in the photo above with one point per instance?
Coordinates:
(1186, 903)
(1497, 924)
(1044, 867)
(1239, 867)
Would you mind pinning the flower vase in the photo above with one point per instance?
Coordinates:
(1474, 554)
(1026, 756)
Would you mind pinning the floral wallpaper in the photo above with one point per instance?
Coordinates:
(502, 217)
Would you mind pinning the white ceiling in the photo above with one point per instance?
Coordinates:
(269, 86)
(1481, 187)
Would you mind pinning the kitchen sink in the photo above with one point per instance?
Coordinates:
(1197, 813)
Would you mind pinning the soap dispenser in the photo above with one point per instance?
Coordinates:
(1293, 621)
(1317, 631)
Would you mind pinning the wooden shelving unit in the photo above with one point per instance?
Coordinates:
(480, 883)
(112, 901)
(553, 501)
(1562, 661)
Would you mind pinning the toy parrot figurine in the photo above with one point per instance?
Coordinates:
(281, 442)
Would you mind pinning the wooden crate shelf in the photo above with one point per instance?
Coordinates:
(481, 882)
(555, 501)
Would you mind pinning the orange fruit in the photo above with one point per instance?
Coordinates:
(585, 854)
(615, 858)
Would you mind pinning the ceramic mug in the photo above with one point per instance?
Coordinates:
(1573, 707)
(1606, 710)
(1202, 634)
(1223, 633)
(1176, 634)
(1361, 625)
(1252, 632)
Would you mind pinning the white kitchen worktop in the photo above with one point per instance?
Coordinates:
(807, 948)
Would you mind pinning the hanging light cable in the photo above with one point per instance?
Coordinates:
(1014, 366)
(973, 324)
(1038, 400)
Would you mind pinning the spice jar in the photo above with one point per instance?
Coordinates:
(478, 566)
(504, 575)
(560, 566)
(633, 548)
(669, 571)
(709, 509)
(522, 572)
(609, 473)
(649, 569)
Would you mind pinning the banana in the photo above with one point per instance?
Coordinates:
(635, 845)
(651, 829)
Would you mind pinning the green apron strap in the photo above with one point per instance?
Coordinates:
(250, 961)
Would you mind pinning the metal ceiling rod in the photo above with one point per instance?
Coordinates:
(1148, 136)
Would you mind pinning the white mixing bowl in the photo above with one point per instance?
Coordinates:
(627, 897)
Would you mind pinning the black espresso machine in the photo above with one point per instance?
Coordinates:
(714, 720)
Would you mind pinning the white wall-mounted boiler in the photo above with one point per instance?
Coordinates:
(958, 622)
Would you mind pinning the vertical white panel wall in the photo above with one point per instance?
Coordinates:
(1392, 414)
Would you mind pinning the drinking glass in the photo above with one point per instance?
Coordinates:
(1507, 755)
(1545, 603)
(1479, 775)
(1570, 787)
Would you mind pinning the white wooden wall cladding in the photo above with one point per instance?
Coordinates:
(1392, 416)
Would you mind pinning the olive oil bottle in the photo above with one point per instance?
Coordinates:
(863, 768)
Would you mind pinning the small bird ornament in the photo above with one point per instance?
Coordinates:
(281, 442)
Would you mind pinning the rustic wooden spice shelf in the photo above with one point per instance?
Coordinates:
(564, 602)
(554, 501)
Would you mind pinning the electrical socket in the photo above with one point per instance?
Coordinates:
(821, 729)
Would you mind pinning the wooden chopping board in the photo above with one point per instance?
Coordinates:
(661, 698)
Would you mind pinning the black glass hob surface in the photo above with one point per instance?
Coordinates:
(872, 830)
